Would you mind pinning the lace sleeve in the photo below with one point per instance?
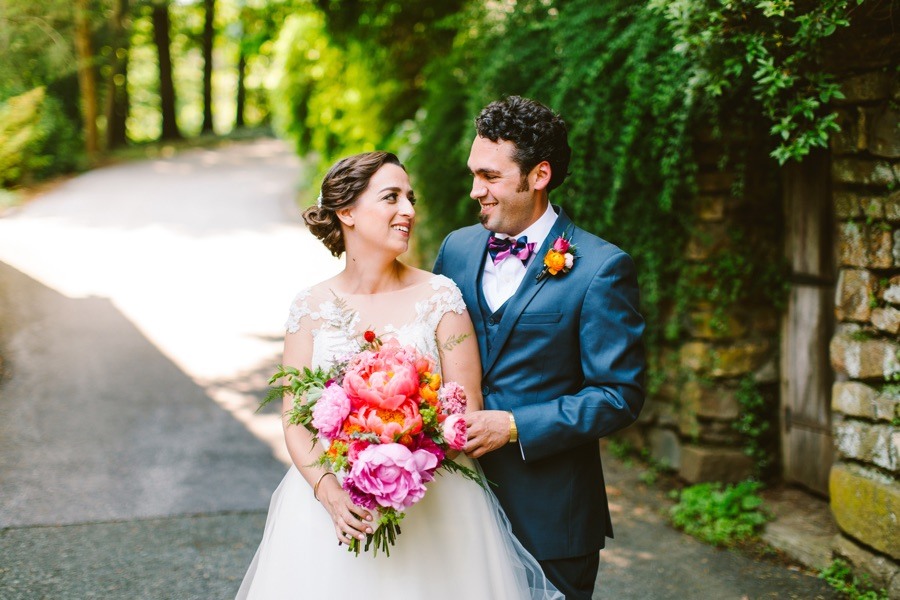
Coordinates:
(446, 298)
(299, 309)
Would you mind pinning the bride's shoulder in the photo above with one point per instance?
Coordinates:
(308, 303)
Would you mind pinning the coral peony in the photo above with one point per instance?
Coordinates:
(392, 475)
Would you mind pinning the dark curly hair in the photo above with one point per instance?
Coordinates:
(538, 133)
(341, 188)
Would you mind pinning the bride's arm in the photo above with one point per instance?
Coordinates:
(460, 361)
(348, 518)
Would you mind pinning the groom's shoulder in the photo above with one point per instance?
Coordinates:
(594, 247)
(464, 236)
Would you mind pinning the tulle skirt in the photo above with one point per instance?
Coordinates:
(455, 543)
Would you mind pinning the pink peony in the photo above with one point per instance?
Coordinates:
(453, 398)
(454, 431)
(561, 245)
(330, 410)
(391, 474)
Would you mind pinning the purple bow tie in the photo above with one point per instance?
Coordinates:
(502, 248)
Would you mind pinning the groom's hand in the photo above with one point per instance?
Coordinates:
(486, 430)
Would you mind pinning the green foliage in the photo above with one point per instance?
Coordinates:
(769, 50)
(754, 424)
(32, 131)
(608, 69)
(839, 576)
(720, 515)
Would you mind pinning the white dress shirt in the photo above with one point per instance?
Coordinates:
(501, 281)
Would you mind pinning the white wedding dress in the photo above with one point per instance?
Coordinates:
(455, 543)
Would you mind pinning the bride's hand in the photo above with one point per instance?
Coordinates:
(350, 521)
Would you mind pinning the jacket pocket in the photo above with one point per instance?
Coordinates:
(537, 318)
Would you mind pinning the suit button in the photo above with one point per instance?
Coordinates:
(485, 390)
(492, 320)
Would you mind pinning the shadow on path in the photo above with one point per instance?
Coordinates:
(97, 425)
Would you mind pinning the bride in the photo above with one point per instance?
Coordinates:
(456, 542)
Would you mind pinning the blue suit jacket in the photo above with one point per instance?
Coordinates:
(568, 361)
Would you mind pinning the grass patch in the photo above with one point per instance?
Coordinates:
(723, 515)
(839, 576)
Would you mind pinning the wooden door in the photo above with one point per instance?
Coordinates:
(806, 374)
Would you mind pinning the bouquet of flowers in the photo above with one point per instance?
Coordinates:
(389, 422)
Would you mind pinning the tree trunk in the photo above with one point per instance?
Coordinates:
(241, 89)
(87, 77)
(166, 85)
(117, 84)
(208, 37)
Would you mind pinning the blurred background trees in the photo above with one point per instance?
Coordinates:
(635, 81)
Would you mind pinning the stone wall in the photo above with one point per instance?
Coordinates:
(688, 424)
(865, 479)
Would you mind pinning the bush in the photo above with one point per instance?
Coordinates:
(720, 515)
(36, 139)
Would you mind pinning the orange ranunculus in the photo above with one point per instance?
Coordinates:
(434, 381)
(428, 395)
(555, 261)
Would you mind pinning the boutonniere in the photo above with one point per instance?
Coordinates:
(560, 258)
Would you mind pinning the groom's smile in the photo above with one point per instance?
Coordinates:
(509, 203)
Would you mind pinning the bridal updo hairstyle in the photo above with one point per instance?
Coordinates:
(343, 185)
(538, 133)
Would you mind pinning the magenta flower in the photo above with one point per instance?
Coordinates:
(561, 245)
(392, 475)
(330, 410)
(453, 398)
(454, 431)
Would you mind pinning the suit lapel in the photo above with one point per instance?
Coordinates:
(527, 290)
(474, 266)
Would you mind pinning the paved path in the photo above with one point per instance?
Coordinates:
(140, 313)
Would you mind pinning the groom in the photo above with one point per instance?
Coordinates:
(560, 340)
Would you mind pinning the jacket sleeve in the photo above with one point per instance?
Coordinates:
(612, 359)
(438, 268)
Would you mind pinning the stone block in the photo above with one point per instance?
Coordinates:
(853, 250)
(665, 447)
(768, 373)
(855, 289)
(861, 171)
(879, 570)
(710, 401)
(716, 181)
(886, 319)
(706, 324)
(865, 442)
(854, 399)
(884, 132)
(711, 207)
(718, 433)
(851, 138)
(866, 505)
(875, 85)
(892, 291)
(739, 359)
(846, 204)
(887, 404)
(895, 252)
(710, 463)
(891, 207)
(765, 321)
(706, 239)
(863, 358)
(696, 356)
(882, 253)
